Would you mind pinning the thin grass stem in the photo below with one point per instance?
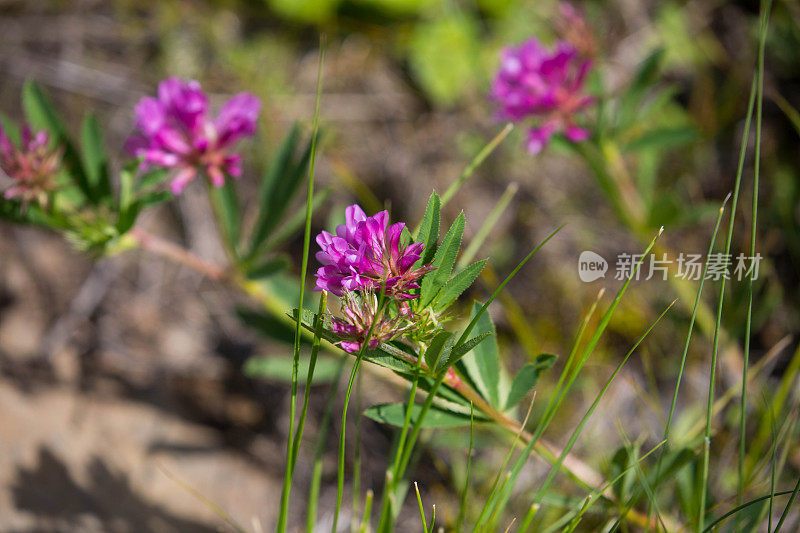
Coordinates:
(290, 445)
(785, 512)
(475, 163)
(348, 392)
(494, 215)
(462, 510)
(753, 226)
(682, 367)
(316, 473)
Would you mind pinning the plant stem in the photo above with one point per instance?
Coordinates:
(753, 223)
(180, 255)
(291, 446)
(348, 392)
(686, 345)
(387, 512)
(475, 163)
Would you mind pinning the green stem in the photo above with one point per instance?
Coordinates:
(387, 512)
(290, 445)
(788, 506)
(712, 377)
(318, 328)
(462, 511)
(749, 318)
(348, 392)
(475, 163)
(316, 473)
(686, 344)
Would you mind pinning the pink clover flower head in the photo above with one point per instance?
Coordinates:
(359, 311)
(175, 130)
(547, 84)
(366, 253)
(32, 166)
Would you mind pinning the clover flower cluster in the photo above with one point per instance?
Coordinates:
(543, 83)
(32, 166)
(365, 257)
(176, 131)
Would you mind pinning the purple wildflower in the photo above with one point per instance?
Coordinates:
(175, 131)
(360, 311)
(32, 166)
(534, 81)
(366, 253)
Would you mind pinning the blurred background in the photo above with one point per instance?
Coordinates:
(119, 376)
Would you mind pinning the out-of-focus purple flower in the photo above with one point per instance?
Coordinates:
(32, 166)
(537, 82)
(366, 253)
(360, 310)
(176, 131)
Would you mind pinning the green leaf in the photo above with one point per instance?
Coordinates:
(443, 261)
(663, 139)
(290, 226)
(457, 285)
(42, 115)
(428, 233)
(279, 368)
(527, 377)
(482, 363)
(11, 129)
(645, 78)
(279, 184)
(394, 415)
(151, 178)
(95, 160)
(621, 462)
(463, 349)
(306, 11)
(226, 203)
(442, 56)
(154, 198)
(439, 350)
(267, 325)
(269, 268)
(128, 209)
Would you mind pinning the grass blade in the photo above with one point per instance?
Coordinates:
(682, 367)
(785, 512)
(316, 473)
(487, 226)
(475, 163)
(462, 510)
(753, 225)
(287, 485)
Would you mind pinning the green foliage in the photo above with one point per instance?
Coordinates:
(279, 368)
(443, 261)
(428, 232)
(456, 285)
(482, 364)
(442, 54)
(393, 414)
(42, 115)
(279, 185)
(85, 207)
(309, 11)
(95, 160)
(527, 377)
